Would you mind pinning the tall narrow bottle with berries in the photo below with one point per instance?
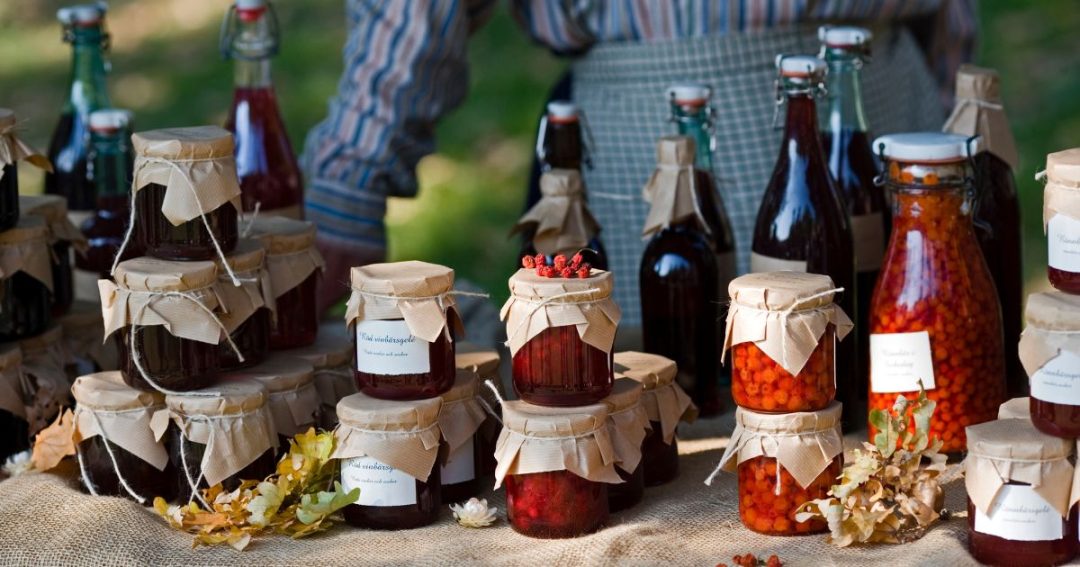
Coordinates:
(560, 222)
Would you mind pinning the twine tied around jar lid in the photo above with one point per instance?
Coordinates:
(401, 434)
(560, 220)
(291, 255)
(291, 395)
(665, 402)
(978, 112)
(462, 411)
(672, 188)
(11, 380)
(13, 149)
(53, 208)
(1062, 192)
(1053, 327)
(628, 422)
(255, 290)
(25, 248)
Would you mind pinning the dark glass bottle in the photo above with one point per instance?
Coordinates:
(13, 424)
(25, 301)
(111, 163)
(9, 178)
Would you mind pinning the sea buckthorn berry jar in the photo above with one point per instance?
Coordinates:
(121, 448)
(250, 305)
(46, 388)
(166, 316)
(560, 333)
(783, 461)
(934, 316)
(666, 404)
(389, 449)
(1016, 408)
(185, 191)
(224, 434)
(294, 265)
(331, 359)
(459, 421)
(84, 341)
(25, 280)
(291, 394)
(62, 237)
(1050, 353)
(485, 363)
(404, 320)
(16, 437)
(628, 424)
(1061, 219)
(12, 150)
(1018, 483)
(782, 329)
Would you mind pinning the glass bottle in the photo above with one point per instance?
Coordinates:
(265, 163)
(25, 299)
(84, 29)
(110, 169)
(801, 225)
(9, 174)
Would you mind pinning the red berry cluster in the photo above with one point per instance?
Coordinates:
(559, 267)
(749, 560)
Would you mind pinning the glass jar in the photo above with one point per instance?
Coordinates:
(249, 318)
(62, 236)
(16, 437)
(331, 359)
(25, 294)
(1050, 351)
(628, 424)
(769, 510)
(995, 550)
(935, 312)
(760, 384)
(555, 504)
(295, 266)
(292, 397)
(485, 363)
(1061, 220)
(462, 449)
(660, 457)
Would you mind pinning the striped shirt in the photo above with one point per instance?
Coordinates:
(406, 66)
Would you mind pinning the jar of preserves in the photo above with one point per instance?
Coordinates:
(187, 197)
(404, 320)
(782, 330)
(16, 437)
(935, 317)
(783, 461)
(1018, 481)
(250, 304)
(389, 449)
(485, 363)
(560, 222)
(557, 463)
(628, 424)
(291, 394)
(46, 388)
(331, 360)
(295, 266)
(223, 435)
(63, 236)
(561, 332)
(463, 449)
(86, 349)
(1050, 351)
(1061, 219)
(119, 451)
(666, 404)
(25, 280)
(12, 150)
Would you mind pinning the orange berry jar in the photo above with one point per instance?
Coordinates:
(783, 461)
(935, 317)
(782, 329)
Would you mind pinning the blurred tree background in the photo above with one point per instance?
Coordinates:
(165, 67)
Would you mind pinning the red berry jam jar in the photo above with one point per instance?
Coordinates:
(187, 197)
(628, 424)
(1050, 353)
(26, 280)
(119, 453)
(295, 266)
(459, 421)
(291, 394)
(1017, 481)
(404, 321)
(46, 387)
(485, 363)
(331, 359)
(1061, 220)
(561, 331)
(16, 437)
(389, 449)
(250, 305)
(62, 237)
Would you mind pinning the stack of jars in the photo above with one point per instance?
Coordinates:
(782, 330)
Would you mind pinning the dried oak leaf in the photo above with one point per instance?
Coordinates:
(54, 442)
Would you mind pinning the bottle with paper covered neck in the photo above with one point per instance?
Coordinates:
(560, 222)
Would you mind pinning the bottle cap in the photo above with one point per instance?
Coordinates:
(250, 10)
(844, 36)
(926, 147)
(82, 14)
(110, 120)
(562, 111)
(689, 94)
(800, 66)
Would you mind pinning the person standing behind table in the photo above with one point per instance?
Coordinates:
(405, 67)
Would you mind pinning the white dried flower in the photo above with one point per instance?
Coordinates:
(474, 513)
(18, 464)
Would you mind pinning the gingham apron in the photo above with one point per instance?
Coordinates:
(621, 88)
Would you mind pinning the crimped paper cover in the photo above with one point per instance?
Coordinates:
(665, 402)
(1053, 326)
(11, 380)
(628, 422)
(255, 290)
(84, 335)
(1016, 408)
(561, 220)
(402, 434)
(291, 255)
(537, 304)
(417, 292)
(25, 248)
(461, 413)
(978, 112)
(331, 356)
(53, 208)
(484, 362)
(670, 191)
(128, 418)
(1062, 191)
(290, 385)
(12, 149)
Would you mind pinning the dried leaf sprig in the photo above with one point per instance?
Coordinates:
(887, 494)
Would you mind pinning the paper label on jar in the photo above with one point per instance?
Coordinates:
(379, 484)
(868, 232)
(460, 465)
(899, 360)
(1058, 381)
(388, 348)
(1020, 514)
(763, 263)
(1063, 243)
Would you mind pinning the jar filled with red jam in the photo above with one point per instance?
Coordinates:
(561, 331)
(25, 280)
(463, 449)
(389, 449)
(1061, 219)
(331, 360)
(46, 388)
(250, 304)
(291, 394)
(16, 437)
(935, 318)
(84, 341)
(187, 196)
(295, 266)
(403, 318)
(485, 363)
(1050, 352)
(784, 461)
(1017, 480)
(119, 452)
(62, 237)
(628, 424)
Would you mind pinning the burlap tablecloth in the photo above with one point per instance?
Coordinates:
(46, 520)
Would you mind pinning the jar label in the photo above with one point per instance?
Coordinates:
(1058, 381)
(388, 348)
(899, 360)
(379, 484)
(460, 465)
(1063, 243)
(763, 263)
(868, 232)
(1018, 513)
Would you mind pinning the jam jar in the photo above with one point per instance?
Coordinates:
(485, 363)
(389, 449)
(1061, 219)
(404, 321)
(1017, 480)
(62, 236)
(26, 283)
(331, 359)
(935, 318)
(84, 341)
(1050, 352)
(459, 421)
(250, 304)
(165, 317)
(187, 196)
(46, 388)
(294, 265)
(232, 421)
(561, 364)
(292, 397)
(16, 436)
(628, 423)
(119, 452)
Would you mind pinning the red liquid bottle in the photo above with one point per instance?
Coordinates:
(265, 163)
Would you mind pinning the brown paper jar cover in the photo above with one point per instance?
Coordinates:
(1053, 326)
(401, 434)
(53, 208)
(47, 388)
(291, 394)
(461, 413)
(537, 304)
(628, 422)
(1062, 192)
(331, 358)
(248, 262)
(291, 255)
(84, 335)
(13, 149)
(978, 112)
(538, 439)
(25, 248)
(784, 314)
(665, 402)
(485, 363)
(561, 220)
(1012, 450)
(418, 292)
(132, 419)
(670, 190)
(1016, 408)
(11, 380)
(803, 443)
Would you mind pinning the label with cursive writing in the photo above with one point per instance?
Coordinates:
(379, 484)
(899, 360)
(388, 348)
(1020, 514)
(460, 465)
(1058, 381)
(1063, 243)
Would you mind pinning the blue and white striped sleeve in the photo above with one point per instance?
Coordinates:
(564, 26)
